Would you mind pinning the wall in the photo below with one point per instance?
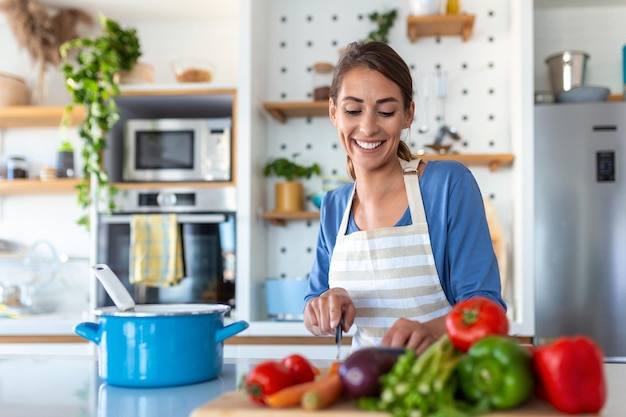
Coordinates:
(477, 101)
(27, 219)
(588, 29)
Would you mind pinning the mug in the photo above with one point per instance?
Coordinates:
(425, 7)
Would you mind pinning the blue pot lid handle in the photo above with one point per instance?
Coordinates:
(230, 330)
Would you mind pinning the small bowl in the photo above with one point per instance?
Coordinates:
(193, 71)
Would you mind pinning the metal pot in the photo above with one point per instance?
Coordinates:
(160, 345)
(567, 70)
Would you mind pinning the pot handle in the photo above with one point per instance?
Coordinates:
(230, 330)
(89, 331)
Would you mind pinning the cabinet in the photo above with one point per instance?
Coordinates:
(141, 101)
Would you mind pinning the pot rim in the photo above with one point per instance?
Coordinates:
(160, 310)
(569, 51)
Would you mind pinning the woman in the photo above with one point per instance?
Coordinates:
(409, 239)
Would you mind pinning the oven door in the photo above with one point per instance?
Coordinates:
(208, 241)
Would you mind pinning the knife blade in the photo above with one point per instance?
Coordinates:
(339, 337)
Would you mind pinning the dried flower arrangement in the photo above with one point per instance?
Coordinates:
(41, 32)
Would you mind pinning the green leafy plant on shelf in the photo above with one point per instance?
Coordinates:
(91, 77)
(384, 22)
(289, 169)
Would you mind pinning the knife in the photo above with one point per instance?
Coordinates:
(339, 336)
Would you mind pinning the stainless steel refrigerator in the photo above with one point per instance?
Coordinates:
(580, 223)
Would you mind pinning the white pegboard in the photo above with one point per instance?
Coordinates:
(477, 100)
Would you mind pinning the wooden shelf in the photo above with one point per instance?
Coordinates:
(50, 116)
(36, 116)
(27, 186)
(493, 161)
(440, 25)
(279, 218)
(281, 111)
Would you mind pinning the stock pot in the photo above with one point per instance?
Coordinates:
(160, 345)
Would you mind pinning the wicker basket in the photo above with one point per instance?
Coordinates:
(13, 91)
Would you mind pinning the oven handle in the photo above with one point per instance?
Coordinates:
(182, 218)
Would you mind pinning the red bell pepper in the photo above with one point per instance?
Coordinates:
(571, 374)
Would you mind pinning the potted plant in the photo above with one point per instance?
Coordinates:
(92, 80)
(289, 193)
(384, 22)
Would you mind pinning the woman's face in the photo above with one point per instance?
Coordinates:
(369, 116)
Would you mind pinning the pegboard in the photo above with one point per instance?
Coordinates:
(476, 100)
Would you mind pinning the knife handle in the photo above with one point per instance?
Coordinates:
(339, 331)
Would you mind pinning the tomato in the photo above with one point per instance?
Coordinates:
(473, 319)
(300, 367)
(266, 378)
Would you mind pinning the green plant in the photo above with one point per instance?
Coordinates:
(289, 169)
(66, 146)
(92, 81)
(384, 22)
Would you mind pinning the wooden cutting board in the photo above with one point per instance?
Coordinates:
(237, 404)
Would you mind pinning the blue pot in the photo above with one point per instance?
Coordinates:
(160, 345)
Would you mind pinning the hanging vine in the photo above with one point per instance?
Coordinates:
(92, 80)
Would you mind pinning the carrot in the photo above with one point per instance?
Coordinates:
(334, 368)
(290, 396)
(324, 393)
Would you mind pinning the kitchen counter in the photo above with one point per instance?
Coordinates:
(55, 386)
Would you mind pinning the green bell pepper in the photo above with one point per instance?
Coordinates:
(496, 372)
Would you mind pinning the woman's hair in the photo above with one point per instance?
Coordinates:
(377, 56)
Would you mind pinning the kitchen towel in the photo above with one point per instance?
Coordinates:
(156, 254)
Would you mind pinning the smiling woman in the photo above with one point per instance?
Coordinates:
(408, 240)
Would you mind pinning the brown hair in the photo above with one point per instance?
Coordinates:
(380, 57)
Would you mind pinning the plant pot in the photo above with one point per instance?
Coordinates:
(289, 196)
(65, 164)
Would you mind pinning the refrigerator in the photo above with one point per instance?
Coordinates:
(580, 224)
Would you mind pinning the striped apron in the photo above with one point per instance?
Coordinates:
(389, 272)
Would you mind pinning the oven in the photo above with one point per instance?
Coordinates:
(206, 221)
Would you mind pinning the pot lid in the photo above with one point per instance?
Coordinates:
(154, 310)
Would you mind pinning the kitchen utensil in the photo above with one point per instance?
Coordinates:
(567, 70)
(424, 98)
(160, 345)
(339, 337)
(114, 287)
(585, 94)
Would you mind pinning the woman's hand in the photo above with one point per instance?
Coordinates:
(322, 314)
(414, 335)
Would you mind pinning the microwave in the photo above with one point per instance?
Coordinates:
(177, 150)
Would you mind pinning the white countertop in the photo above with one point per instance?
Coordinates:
(55, 386)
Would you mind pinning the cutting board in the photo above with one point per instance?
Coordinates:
(237, 404)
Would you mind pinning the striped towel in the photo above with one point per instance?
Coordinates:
(155, 250)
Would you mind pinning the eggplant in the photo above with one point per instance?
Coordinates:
(360, 372)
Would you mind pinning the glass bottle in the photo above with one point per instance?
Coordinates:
(16, 167)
